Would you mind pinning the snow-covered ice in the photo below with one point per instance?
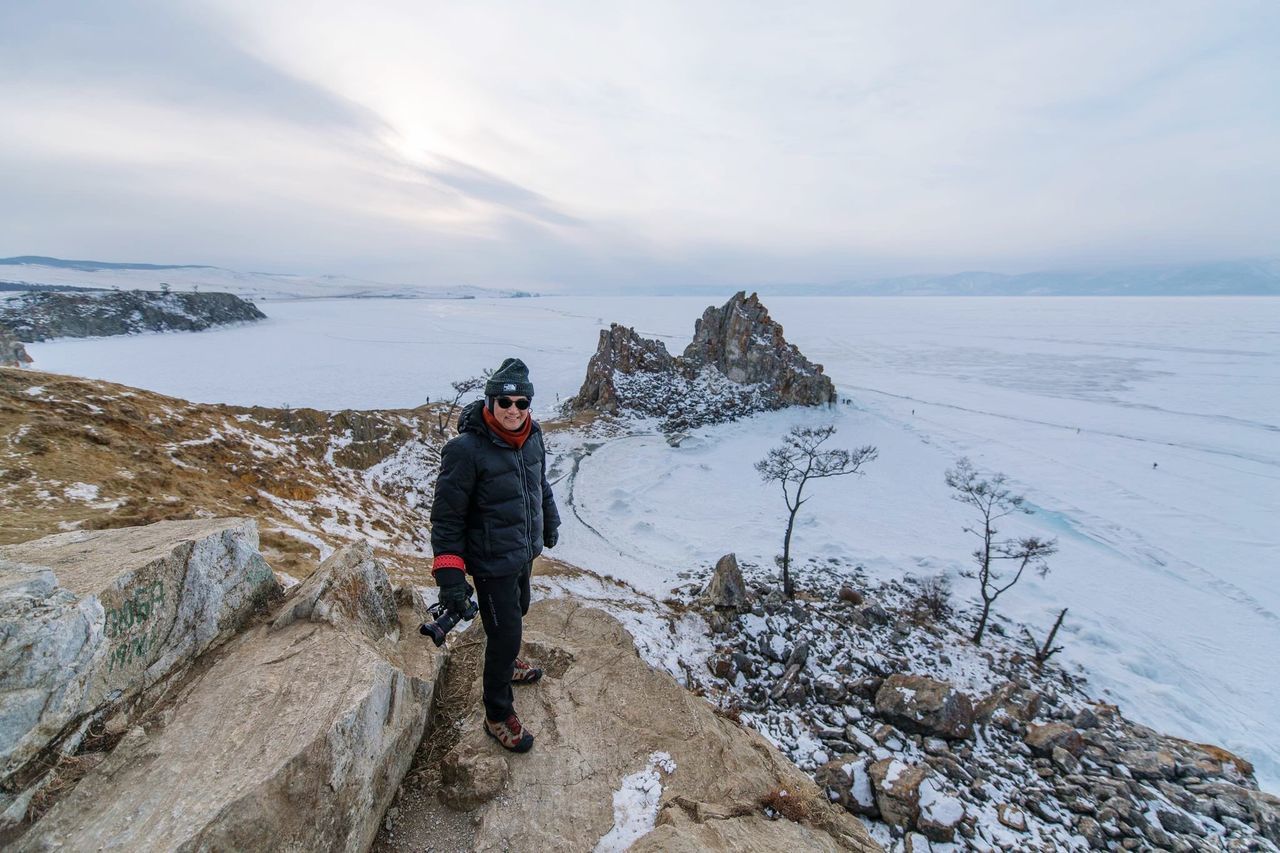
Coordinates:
(1145, 432)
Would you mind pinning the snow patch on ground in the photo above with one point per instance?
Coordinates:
(666, 640)
(88, 494)
(635, 804)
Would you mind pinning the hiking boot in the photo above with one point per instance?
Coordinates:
(525, 672)
(510, 734)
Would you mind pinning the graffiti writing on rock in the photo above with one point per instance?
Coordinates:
(129, 627)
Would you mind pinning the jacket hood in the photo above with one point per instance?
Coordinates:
(470, 420)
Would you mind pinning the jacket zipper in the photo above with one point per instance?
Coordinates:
(524, 496)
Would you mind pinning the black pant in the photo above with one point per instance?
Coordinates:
(503, 604)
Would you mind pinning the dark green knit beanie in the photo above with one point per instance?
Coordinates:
(511, 378)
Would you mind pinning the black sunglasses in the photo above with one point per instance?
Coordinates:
(505, 402)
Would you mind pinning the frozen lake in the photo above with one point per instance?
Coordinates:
(1145, 431)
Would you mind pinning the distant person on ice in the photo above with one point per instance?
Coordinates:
(493, 513)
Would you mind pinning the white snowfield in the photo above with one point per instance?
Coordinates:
(1145, 432)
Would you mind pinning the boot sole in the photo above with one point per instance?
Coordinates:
(531, 679)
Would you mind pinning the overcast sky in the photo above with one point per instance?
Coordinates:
(609, 144)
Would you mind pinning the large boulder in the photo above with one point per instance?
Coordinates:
(1044, 739)
(940, 812)
(90, 620)
(350, 589)
(897, 787)
(1008, 704)
(727, 590)
(12, 352)
(926, 706)
(625, 754)
(847, 782)
(294, 738)
(1149, 763)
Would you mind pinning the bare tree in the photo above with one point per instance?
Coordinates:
(798, 460)
(993, 501)
(460, 389)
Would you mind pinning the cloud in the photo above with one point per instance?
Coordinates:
(480, 185)
(598, 142)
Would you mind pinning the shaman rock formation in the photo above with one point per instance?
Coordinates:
(738, 362)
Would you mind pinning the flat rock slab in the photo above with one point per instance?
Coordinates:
(751, 832)
(293, 739)
(91, 619)
(623, 749)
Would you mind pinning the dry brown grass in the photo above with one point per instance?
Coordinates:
(157, 458)
(786, 804)
(450, 703)
(732, 712)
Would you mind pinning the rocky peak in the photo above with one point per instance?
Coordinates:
(738, 362)
(744, 343)
(621, 350)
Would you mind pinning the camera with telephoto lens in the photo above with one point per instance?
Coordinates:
(445, 620)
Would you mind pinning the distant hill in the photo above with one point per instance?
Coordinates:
(33, 272)
(1258, 277)
(1227, 278)
(92, 266)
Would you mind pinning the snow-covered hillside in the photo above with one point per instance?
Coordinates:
(1142, 430)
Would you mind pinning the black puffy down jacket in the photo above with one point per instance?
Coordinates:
(492, 501)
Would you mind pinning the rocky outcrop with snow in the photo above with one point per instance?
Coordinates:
(741, 341)
(41, 315)
(12, 352)
(624, 756)
(296, 732)
(91, 620)
(738, 363)
(902, 721)
(294, 738)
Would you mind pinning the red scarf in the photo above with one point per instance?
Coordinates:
(515, 439)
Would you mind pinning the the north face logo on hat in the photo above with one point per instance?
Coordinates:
(509, 388)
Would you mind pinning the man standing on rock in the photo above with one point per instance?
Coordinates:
(493, 513)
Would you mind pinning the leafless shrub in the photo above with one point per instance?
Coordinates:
(1041, 653)
(933, 598)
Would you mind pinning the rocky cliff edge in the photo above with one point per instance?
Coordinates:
(295, 730)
